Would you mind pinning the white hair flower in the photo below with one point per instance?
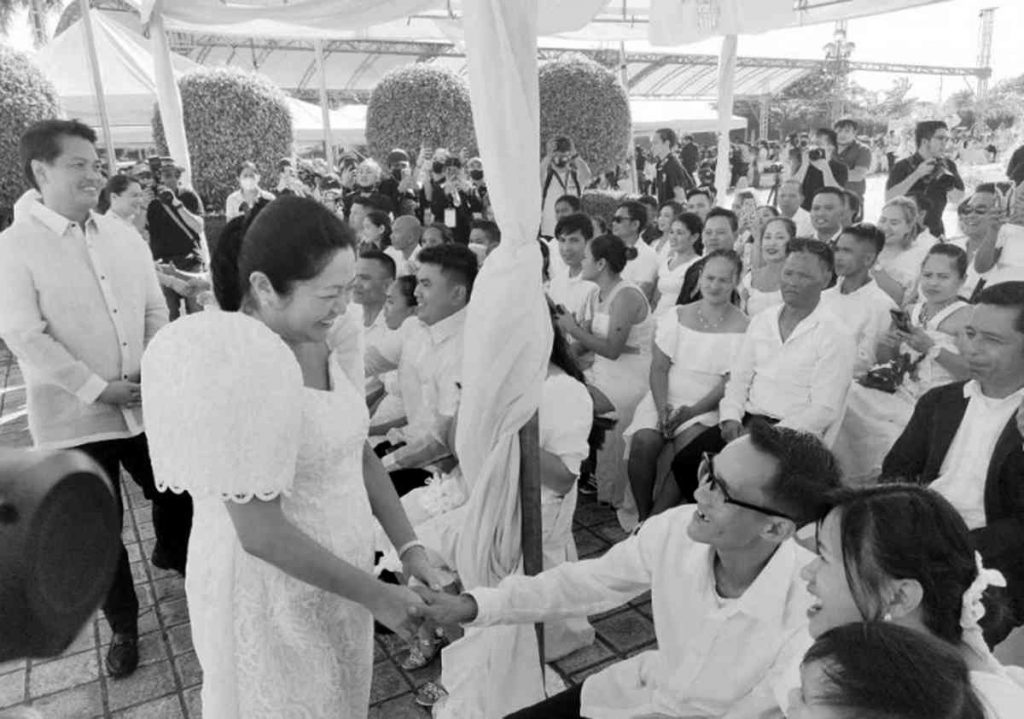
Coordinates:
(972, 608)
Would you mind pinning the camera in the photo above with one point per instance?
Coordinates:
(165, 196)
(816, 154)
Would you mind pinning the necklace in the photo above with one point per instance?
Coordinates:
(710, 325)
(927, 315)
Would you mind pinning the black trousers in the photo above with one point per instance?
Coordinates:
(172, 522)
(564, 705)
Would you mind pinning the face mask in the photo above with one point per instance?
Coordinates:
(476, 174)
(438, 167)
(248, 183)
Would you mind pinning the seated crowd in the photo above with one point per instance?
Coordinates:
(810, 425)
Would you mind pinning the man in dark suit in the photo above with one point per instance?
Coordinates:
(964, 441)
(719, 233)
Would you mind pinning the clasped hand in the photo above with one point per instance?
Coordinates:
(445, 609)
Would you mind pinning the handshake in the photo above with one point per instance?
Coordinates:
(405, 609)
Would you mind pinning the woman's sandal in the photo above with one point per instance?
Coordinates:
(430, 694)
(422, 652)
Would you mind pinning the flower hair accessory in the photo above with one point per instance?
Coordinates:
(972, 608)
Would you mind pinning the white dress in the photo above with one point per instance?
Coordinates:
(756, 301)
(905, 267)
(623, 381)
(229, 419)
(874, 419)
(670, 283)
(699, 362)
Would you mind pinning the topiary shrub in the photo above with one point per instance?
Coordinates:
(230, 116)
(601, 203)
(419, 104)
(26, 96)
(585, 101)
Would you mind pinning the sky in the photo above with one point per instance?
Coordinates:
(946, 33)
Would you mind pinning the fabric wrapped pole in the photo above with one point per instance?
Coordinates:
(494, 671)
(726, 82)
(167, 93)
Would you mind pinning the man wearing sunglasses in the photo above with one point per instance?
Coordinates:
(724, 574)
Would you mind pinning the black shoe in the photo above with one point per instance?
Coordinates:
(162, 560)
(123, 654)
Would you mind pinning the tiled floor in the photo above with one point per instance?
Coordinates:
(166, 685)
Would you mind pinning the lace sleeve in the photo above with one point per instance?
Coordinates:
(222, 397)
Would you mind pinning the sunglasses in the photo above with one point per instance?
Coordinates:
(973, 211)
(621, 218)
(706, 475)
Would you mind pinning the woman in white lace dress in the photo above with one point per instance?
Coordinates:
(252, 413)
(875, 419)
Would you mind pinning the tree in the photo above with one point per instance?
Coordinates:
(230, 116)
(26, 96)
(416, 105)
(37, 12)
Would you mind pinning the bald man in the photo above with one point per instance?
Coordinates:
(405, 244)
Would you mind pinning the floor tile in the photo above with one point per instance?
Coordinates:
(610, 531)
(189, 672)
(174, 612)
(12, 666)
(626, 631)
(12, 688)
(387, 682)
(180, 638)
(62, 673)
(169, 588)
(585, 657)
(194, 703)
(589, 544)
(168, 707)
(81, 702)
(148, 682)
(579, 676)
(403, 707)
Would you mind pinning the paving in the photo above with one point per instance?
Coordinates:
(168, 681)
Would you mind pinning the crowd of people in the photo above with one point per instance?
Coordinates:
(810, 425)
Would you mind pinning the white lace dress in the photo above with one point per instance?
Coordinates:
(229, 420)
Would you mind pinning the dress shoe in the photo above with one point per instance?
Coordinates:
(123, 654)
(162, 560)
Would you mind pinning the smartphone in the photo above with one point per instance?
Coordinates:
(901, 319)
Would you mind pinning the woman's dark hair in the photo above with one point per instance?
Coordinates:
(561, 356)
(883, 670)
(786, 222)
(407, 286)
(954, 253)
(545, 259)
(447, 235)
(116, 185)
(729, 256)
(677, 208)
(774, 212)
(903, 531)
(289, 240)
(691, 221)
(381, 219)
(247, 165)
(612, 250)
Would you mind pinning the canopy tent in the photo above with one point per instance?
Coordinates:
(683, 116)
(126, 65)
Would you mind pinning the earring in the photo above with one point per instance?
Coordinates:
(887, 617)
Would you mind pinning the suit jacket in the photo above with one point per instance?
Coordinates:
(917, 457)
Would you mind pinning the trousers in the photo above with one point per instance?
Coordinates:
(564, 705)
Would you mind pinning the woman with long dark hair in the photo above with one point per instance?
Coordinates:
(252, 413)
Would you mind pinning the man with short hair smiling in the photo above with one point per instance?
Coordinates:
(856, 297)
(699, 202)
(429, 362)
(79, 303)
(790, 200)
(928, 172)
(375, 271)
(628, 222)
(827, 214)
(963, 440)
(719, 233)
(728, 604)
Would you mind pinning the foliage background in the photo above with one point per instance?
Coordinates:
(419, 104)
(585, 101)
(26, 96)
(230, 116)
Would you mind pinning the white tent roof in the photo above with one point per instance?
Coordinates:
(129, 86)
(683, 116)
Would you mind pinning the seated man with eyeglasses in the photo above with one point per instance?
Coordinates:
(728, 603)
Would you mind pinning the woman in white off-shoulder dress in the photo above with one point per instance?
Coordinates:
(251, 412)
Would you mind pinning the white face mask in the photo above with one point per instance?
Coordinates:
(248, 183)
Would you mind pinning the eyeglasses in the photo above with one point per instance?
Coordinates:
(706, 474)
(621, 218)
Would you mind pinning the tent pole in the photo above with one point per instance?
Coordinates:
(529, 498)
(325, 109)
(167, 93)
(634, 181)
(97, 86)
(726, 83)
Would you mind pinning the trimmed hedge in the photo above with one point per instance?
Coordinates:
(230, 116)
(26, 96)
(585, 101)
(602, 203)
(419, 104)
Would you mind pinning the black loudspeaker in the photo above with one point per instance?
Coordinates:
(59, 543)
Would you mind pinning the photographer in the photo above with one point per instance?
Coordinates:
(450, 198)
(928, 172)
(817, 167)
(175, 220)
(400, 184)
(562, 172)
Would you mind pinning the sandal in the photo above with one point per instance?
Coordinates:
(421, 653)
(430, 694)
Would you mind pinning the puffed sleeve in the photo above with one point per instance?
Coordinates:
(348, 345)
(222, 397)
(666, 333)
(565, 415)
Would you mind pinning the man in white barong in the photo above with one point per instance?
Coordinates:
(724, 574)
